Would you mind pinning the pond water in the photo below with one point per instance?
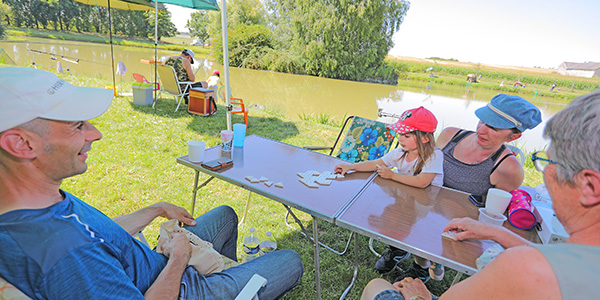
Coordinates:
(291, 95)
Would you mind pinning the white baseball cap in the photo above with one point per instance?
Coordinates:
(26, 94)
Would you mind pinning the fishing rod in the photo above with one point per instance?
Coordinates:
(64, 57)
(204, 60)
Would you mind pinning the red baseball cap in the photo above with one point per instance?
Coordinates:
(415, 119)
(216, 72)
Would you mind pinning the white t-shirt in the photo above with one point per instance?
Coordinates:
(435, 164)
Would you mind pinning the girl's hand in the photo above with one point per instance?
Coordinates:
(410, 288)
(385, 172)
(342, 168)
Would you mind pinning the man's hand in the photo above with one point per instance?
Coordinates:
(171, 211)
(178, 247)
(410, 288)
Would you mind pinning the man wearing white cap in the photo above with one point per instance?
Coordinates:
(55, 246)
(182, 64)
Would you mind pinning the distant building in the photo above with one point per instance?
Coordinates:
(586, 69)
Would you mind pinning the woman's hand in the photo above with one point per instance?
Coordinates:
(468, 228)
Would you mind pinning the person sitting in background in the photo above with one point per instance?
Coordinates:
(55, 246)
(182, 64)
(213, 83)
(571, 171)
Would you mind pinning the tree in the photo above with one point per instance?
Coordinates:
(346, 39)
(198, 25)
(165, 26)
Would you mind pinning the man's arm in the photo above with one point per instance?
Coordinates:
(136, 221)
(518, 273)
(472, 229)
(168, 282)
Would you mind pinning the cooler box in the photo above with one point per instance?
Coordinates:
(142, 93)
(202, 102)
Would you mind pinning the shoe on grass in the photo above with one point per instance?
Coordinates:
(436, 271)
(390, 258)
(415, 271)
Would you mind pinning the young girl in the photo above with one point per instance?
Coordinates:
(419, 163)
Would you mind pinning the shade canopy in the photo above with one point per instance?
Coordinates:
(122, 4)
(195, 4)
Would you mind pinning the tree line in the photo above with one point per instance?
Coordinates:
(344, 39)
(69, 15)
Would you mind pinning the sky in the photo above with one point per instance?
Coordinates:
(530, 33)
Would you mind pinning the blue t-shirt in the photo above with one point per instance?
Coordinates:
(71, 250)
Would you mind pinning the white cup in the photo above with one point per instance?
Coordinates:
(491, 217)
(497, 200)
(196, 149)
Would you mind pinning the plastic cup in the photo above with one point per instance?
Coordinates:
(226, 140)
(239, 134)
(497, 200)
(196, 151)
(491, 217)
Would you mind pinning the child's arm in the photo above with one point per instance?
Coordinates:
(422, 180)
(363, 166)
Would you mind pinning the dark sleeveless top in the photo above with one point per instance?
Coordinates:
(470, 178)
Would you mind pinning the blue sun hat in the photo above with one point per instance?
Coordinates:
(508, 111)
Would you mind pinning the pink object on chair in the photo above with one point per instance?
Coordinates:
(140, 78)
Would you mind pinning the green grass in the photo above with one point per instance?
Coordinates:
(134, 166)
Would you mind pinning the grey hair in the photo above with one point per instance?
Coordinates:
(574, 133)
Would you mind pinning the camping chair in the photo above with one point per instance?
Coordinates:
(171, 85)
(249, 292)
(237, 104)
(517, 152)
(141, 79)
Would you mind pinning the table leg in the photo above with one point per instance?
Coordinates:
(317, 266)
(196, 188)
(456, 278)
(355, 268)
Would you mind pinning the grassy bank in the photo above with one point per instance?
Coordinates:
(134, 166)
(415, 72)
(174, 44)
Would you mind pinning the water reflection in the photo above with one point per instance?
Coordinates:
(291, 95)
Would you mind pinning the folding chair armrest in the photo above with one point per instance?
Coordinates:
(317, 148)
(249, 291)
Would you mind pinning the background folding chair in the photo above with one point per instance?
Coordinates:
(237, 105)
(141, 79)
(517, 152)
(171, 85)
